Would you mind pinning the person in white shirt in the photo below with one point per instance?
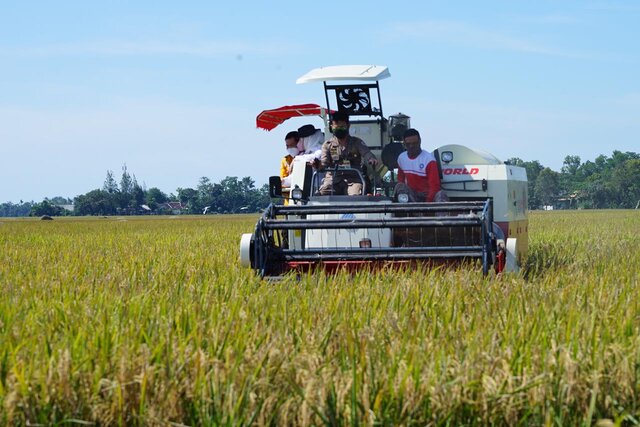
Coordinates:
(418, 175)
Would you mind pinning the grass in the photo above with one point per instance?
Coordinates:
(151, 321)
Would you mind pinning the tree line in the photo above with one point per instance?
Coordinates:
(128, 197)
(607, 182)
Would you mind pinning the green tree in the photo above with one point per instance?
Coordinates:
(47, 208)
(59, 200)
(124, 198)
(96, 202)
(260, 198)
(608, 182)
(570, 177)
(624, 184)
(189, 198)
(231, 199)
(9, 209)
(208, 193)
(136, 199)
(571, 165)
(110, 185)
(547, 186)
(594, 194)
(155, 197)
(126, 183)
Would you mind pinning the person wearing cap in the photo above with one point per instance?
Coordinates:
(310, 144)
(418, 176)
(291, 142)
(346, 150)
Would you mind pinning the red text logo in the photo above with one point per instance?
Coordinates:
(460, 171)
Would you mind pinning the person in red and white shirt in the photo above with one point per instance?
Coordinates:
(418, 175)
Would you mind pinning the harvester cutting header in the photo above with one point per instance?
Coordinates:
(358, 199)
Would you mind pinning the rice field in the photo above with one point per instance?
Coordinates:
(151, 321)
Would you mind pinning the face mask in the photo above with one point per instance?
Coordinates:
(292, 151)
(340, 132)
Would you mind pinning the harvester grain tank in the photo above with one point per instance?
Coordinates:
(484, 219)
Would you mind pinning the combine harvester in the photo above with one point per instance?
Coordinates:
(485, 218)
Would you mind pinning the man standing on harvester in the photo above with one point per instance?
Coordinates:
(343, 150)
(418, 176)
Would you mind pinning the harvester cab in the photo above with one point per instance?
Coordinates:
(485, 218)
(355, 90)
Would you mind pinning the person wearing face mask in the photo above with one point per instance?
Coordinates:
(291, 141)
(310, 143)
(418, 176)
(343, 150)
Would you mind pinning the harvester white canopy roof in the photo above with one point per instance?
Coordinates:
(346, 72)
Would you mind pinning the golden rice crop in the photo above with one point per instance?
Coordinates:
(151, 321)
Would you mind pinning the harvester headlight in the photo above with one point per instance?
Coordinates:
(296, 193)
(446, 156)
(403, 198)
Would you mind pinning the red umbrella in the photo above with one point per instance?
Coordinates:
(270, 119)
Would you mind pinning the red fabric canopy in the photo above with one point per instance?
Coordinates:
(270, 119)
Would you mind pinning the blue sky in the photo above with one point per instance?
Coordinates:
(172, 89)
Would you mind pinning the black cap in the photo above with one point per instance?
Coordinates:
(340, 116)
(293, 134)
(306, 130)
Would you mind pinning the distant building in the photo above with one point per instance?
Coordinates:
(174, 208)
(567, 202)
